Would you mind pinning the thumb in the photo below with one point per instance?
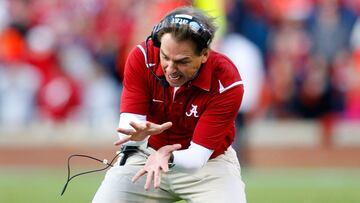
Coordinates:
(174, 147)
(167, 149)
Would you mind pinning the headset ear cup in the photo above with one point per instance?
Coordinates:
(154, 35)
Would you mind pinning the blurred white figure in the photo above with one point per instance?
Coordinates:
(355, 36)
(41, 39)
(18, 86)
(247, 58)
(4, 14)
(100, 107)
(101, 101)
(77, 62)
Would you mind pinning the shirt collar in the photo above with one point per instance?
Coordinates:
(203, 79)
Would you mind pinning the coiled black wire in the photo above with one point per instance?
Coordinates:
(86, 172)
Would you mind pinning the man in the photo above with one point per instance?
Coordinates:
(179, 103)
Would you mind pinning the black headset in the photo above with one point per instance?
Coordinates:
(199, 30)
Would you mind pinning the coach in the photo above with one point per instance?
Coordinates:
(179, 103)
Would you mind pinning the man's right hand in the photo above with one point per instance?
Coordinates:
(141, 131)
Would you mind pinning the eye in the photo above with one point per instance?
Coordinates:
(183, 62)
(164, 57)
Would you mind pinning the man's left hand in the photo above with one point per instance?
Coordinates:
(155, 164)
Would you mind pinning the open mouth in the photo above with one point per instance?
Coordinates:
(174, 76)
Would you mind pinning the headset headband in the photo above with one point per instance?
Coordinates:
(197, 28)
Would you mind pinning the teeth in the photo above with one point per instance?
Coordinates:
(174, 76)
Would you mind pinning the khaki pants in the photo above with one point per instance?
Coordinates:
(219, 181)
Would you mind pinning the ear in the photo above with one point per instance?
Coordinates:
(204, 55)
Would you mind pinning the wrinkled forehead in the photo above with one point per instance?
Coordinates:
(170, 46)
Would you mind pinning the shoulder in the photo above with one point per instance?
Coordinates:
(147, 52)
(143, 55)
(223, 67)
(135, 63)
(138, 52)
(225, 75)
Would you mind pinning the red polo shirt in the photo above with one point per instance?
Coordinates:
(202, 110)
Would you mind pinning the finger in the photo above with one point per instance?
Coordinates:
(160, 128)
(149, 177)
(157, 178)
(122, 141)
(147, 125)
(166, 125)
(126, 131)
(137, 126)
(138, 175)
(174, 147)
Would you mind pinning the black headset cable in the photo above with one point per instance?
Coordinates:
(105, 161)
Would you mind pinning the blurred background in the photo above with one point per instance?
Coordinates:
(61, 71)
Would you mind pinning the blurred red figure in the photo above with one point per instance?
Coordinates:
(58, 98)
(58, 94)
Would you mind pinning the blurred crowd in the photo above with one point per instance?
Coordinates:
(62, 60)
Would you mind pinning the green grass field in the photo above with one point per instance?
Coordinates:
(263, 186)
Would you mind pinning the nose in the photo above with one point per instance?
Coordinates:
(171, 67)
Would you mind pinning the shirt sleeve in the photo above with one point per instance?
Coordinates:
(191, 159)
(135, 95)
(124, 122)
(219, 116)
